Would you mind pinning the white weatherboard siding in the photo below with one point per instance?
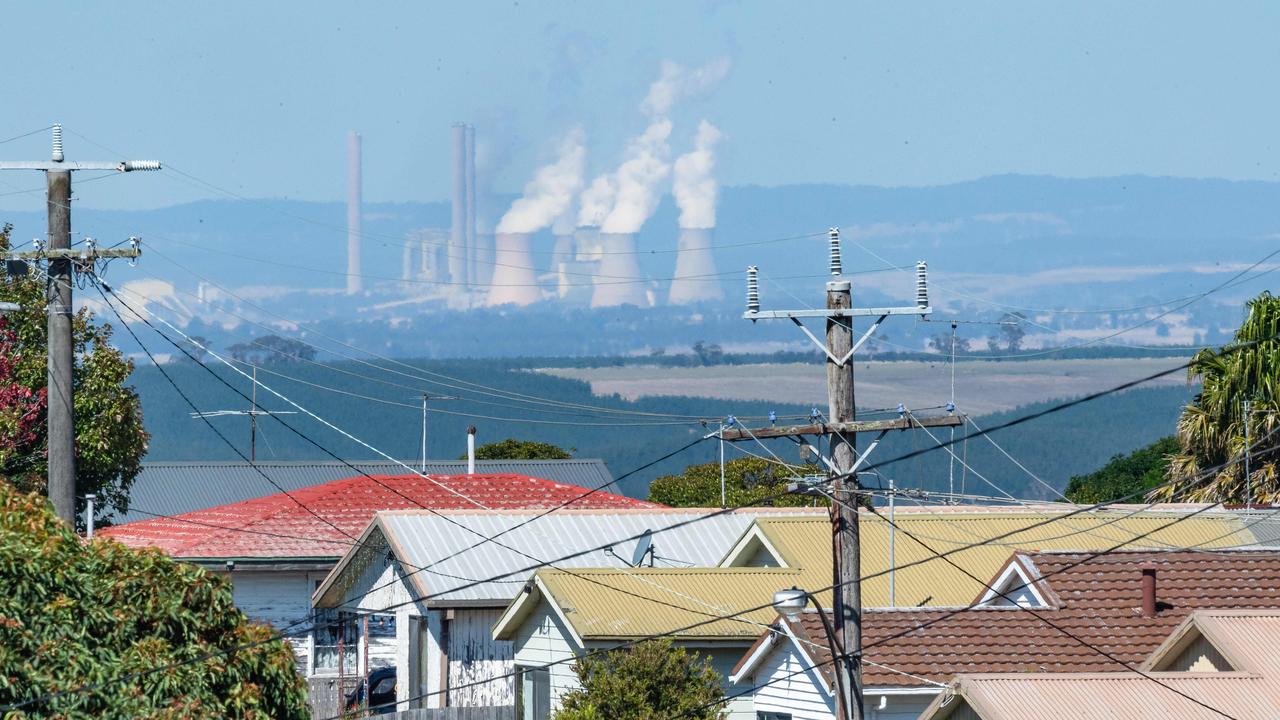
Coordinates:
(476, 659)
(543, 639)
(787, 684)
(743, 706)
(280, 599)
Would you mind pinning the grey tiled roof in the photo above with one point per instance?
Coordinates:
(172, 488)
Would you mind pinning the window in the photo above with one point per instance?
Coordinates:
(533, 693)
(336, 635)
(772, 716)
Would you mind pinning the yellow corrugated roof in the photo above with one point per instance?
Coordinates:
(806, 543)
(621, 603)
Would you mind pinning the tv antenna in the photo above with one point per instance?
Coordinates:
(253, 414)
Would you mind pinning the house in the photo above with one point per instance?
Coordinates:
(911, 655)
(562, 615)
(447, 589)
(1215, 664)
(277, 549)
(174, 488)
(901, 572)
(550, 623)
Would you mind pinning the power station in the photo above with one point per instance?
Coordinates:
(475, 262)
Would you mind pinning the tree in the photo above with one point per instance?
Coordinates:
(1124, 475)
(272, 348)
(747, 480)
(512, 449)
(708, 354)
(147, 635)
(1211, 430)
(941, 342)
(110, 439)
(1011, 329)
(196, 348)
(647, 681)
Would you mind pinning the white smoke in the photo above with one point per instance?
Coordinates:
(694, 184)
(550, 193)
(676, 82)
(620, 202)
(638, 179)
(596, 201)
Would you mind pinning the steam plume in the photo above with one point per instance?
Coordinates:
(638, 178)
(596, 201)
(676, 82)
(695, 185)
(550, 193)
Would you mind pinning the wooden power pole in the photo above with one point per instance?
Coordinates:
(63, 261)
(841, 429)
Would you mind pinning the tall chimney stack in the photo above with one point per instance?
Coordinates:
(459, 255)
(1148, 592)
(473, 250)
(355, 283)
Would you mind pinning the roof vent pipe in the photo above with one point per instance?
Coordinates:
(1148, 592)
(471, 450)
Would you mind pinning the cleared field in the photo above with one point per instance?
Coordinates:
(981, 387)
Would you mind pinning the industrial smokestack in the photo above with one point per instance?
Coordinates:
(694, 279)
(514, 280)
(618, 283)
(474, 252)
(458, 242)
(354, 268)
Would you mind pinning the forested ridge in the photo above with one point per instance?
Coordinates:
(382, 407)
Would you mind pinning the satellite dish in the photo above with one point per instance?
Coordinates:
(643, 547)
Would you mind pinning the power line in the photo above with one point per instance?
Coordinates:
(1001, 536)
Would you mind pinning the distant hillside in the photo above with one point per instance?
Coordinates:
(379, 406)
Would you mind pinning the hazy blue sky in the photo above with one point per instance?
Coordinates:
(257, 96)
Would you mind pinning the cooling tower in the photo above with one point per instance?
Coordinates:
(561, 252)
(586, 240)
(482, 259)
(354, 267)
(693, 281)
(514, 281)
(458, 255)
(618, 281)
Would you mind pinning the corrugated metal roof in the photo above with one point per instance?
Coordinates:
(805, 542)
(421, 539)
(609, 604)
(1112, 695)
(173, 488)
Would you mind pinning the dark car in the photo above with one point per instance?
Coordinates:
(382, 696)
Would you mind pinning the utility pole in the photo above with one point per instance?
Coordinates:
(1248, 450)
(63, 261)
(841, 430)
(425, 398)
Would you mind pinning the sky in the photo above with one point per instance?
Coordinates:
(255, 99)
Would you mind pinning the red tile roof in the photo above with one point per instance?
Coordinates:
(277, 526)
(1100, 603)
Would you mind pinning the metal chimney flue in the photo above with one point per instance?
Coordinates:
(1148, 592)
(471, 450)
